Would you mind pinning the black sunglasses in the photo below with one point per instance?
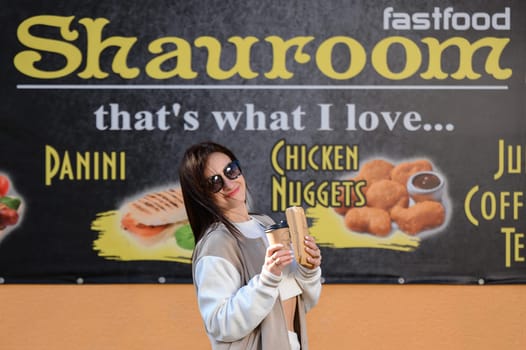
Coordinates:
(232, 171)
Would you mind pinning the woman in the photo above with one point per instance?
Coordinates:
(250, 295)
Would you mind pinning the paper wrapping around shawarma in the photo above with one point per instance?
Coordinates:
(298, 229)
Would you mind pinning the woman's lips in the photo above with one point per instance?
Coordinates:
(233, 192)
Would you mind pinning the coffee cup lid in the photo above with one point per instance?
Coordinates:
(281, 224)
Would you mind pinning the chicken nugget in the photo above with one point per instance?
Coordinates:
(419, 217)
(385, 194)
(375, 170)
(370, 220)
(403, 171)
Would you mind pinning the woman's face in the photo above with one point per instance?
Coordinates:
(233, 194)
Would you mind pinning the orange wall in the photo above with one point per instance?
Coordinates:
(165, 317)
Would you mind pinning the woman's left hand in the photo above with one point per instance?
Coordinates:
(314, 252)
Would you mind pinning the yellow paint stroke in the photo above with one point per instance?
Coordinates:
(329, 230)
(114, 243)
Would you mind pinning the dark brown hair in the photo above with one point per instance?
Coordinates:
(201, 210)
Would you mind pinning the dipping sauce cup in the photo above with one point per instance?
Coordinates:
(426, 186)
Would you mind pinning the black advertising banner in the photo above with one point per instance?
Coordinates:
(399, 126)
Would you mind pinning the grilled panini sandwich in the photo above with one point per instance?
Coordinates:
(155, 216)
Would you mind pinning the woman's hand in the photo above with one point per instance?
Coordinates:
(313, 251)
(277, 258)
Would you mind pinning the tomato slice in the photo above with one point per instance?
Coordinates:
(8, 216)
(131, 225)
(4, 185)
